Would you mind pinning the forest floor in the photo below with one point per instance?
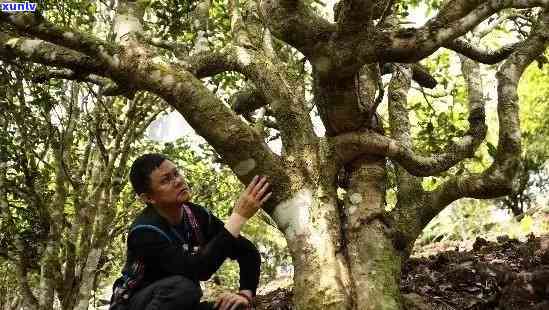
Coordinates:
(504, 275)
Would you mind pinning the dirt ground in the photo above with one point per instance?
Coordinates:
(503, 275)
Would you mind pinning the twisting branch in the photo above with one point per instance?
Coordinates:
(351, 145)
(483, 56)
(499, 178)
(453, 21)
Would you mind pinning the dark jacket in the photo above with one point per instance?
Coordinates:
(163, 258)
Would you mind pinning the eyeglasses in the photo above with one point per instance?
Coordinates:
(171, 177)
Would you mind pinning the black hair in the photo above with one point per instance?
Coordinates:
(141, 170)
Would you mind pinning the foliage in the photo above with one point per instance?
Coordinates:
(66, 150)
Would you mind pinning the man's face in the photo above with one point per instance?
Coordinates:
(168, 187)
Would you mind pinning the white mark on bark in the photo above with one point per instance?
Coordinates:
(392, 148)
(168, 80)
(515, 135)
(115, 61)
(322, 64)
(124, 25)
(29, 46)
(156, 75)
(12, 43)
(243, 56)
(466, 140)
(244, 167)
(352, 210)
(53, 55)
(355, 198)
(68, 35)
(292, 215)
(201, 44)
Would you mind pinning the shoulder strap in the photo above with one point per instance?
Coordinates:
(194, 225)
(152, 227)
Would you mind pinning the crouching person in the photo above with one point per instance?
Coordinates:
(173, 244)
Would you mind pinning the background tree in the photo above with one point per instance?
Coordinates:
(61, 180)
(329, 191)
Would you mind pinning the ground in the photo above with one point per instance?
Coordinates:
(504, 275)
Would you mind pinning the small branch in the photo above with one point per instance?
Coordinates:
(422, 76)
(247, 101)
(399, 122)
(200, 26)
(483, 56)
(179, 49)
(68, 74)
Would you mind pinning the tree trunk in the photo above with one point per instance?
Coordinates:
(358, 271)
(374, 262)
(309, 222)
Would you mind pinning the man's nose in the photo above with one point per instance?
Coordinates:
(179, 180)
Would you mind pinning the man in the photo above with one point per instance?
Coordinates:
(173, 244)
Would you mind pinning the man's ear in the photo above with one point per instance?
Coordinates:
(146, 198)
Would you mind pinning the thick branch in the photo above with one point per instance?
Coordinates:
(47, 54)
(293, 22)
(279, 91)
(399, 122)
(411, 45)
(483, 56)
(37, 26)
(499, 178)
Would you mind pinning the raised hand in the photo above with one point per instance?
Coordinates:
(253, 197)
